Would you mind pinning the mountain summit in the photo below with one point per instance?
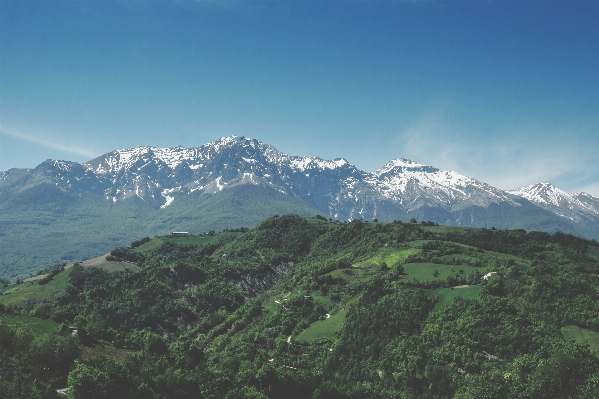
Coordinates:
(579, 208)
(238, 181)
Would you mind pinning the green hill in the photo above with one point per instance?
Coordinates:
(306, 308)
(33, 233)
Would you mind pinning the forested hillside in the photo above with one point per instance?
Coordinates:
(312, 308)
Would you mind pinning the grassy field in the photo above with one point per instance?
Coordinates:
(36, 325)
(23, 292)
(112, 267)
(109, 266)
(446, 229)
(424, 271)
(490, 257)
(323, 328)
(321, 222)
(391, 256)
(189, 240)
(446, 295)
(582, 335)
(417, 243)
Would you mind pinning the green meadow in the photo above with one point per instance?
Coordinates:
(391, 256)
(323, 329)
(446, 295)
(188, 240)
(426, 271)
(19, 293)
(37, 326)
(582, 335)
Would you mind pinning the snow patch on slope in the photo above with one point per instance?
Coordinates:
(166, 194)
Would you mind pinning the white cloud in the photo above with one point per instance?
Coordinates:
(46, 142)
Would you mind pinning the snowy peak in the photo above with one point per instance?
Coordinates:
(415, 185)
(589, 201)
(231, 151)
(402, 165)
(545, 193)
(161, 175)
(132, 158)
(571, 206)
(166, 173)
(303, 163)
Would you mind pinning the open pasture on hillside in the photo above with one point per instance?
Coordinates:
(446, 295)
(424, 272)
(19, 293)
(446, 229)
(37, 326)
(32, 290)
(109, 266)
(191, 239)
(582, 335)
(390, 256)
(323, 329)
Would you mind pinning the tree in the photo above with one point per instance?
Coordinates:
(87, 382)
(398, 271)
(413, 221)
(384, 267)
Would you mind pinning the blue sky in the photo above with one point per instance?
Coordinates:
(503, 91)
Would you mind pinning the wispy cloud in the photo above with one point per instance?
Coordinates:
(508, 160)
(46, 142)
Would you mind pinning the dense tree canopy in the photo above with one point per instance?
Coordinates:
(307, 308)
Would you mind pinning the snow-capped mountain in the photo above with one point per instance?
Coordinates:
(238, 181)
(162, 176)
(414, 185)
(576, 207)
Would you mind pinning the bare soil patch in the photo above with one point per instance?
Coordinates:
(34, 278)
(101, 263)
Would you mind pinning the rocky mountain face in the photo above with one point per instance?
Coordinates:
(160, 176)
(170, 188)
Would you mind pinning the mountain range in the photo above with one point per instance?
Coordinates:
(66, 211)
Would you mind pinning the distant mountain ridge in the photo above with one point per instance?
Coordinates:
(237, 181)
(580, 208)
